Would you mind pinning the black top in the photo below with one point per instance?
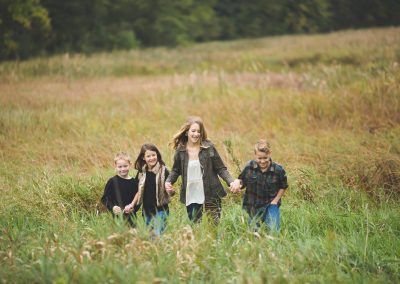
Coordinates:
(119, 192)
(149, 194)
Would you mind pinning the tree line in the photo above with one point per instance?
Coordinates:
(41, 27)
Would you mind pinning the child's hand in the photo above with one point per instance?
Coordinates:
(129, 208)
(168, 186)
(117, 210)
(235, 186)
(170, 190)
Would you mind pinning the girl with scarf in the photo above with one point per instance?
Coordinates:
(152, 193)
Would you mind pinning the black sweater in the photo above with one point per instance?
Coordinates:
(119, 192)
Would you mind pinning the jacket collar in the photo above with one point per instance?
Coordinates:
(204, 144)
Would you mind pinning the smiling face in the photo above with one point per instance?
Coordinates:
(122, 167)
(262, 159)
(194, 133)
(151, 159)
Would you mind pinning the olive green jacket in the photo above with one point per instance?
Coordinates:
(212, 166)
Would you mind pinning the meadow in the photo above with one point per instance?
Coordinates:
(329, 105)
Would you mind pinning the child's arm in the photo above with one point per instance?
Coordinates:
(106, 198)
(278, 196)
(128, 208)
(283, 184)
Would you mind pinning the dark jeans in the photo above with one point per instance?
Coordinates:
(212, 208)
(195, 212)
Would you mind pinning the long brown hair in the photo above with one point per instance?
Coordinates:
(140, 162)
(180, 138)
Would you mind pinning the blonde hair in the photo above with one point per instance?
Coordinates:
(180, 138)
(122, 156)
(262, 146)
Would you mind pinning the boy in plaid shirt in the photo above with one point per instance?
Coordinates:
(265, 182)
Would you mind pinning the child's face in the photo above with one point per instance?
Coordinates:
(122, 167)
(262, 159)
(150, 157)
(194, 133)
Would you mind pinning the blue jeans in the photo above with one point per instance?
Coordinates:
(158, 221)
(212, 208)
(269, 215)
(195, 212)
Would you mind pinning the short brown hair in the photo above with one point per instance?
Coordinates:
(262, 146)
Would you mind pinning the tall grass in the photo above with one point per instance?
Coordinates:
(329, 104)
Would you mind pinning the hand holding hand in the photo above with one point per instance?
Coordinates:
(168, 185)
(235, 186)
(170, 190)
(129, 208)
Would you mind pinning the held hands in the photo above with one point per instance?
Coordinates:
(170, 190)
(235, 186)
(129, 208)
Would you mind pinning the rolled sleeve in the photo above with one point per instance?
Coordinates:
(283, 183)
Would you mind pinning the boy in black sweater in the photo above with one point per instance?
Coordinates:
(121, 188)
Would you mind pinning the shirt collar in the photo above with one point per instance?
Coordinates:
(271, 167)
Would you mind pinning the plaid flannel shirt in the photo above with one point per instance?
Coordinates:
(261, 187)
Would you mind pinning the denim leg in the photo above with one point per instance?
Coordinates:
(195, 212)
(147, 219)
(160, 222)
(272, 217)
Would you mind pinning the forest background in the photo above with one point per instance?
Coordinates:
(42, 27)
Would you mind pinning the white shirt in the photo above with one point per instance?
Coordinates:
(194, 187)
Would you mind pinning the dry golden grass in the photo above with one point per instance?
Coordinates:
(329, 104)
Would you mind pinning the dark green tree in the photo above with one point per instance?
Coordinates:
(24, 28)
(364, 13)
(306, 16)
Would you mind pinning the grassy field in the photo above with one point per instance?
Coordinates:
(329, 105)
